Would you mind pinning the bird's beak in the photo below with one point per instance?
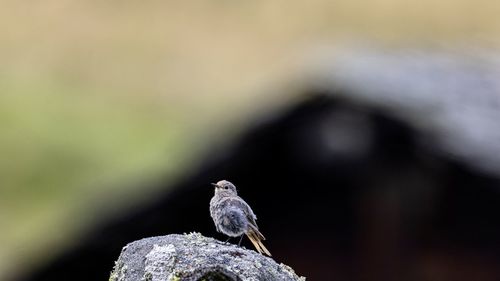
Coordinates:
(214, 184)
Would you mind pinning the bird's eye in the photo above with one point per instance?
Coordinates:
(225, 187)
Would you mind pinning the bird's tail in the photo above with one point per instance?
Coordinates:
(256, 238)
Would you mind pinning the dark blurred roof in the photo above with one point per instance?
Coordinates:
(453, 96)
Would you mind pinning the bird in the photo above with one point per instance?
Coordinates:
(234, 217)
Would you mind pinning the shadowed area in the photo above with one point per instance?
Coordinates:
(215, 276)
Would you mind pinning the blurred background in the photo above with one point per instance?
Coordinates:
(365, 135)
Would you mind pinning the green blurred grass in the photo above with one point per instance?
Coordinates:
(63, 147)
(98, 97)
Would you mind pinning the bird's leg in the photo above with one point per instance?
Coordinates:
(229, 238)
(241, 238)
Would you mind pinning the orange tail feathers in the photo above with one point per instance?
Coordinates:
(255, 238)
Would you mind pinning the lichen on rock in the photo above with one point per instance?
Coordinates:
(191, 257)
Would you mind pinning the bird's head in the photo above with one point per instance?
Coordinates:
(225, 187)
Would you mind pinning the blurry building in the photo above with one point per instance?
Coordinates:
(387, 169)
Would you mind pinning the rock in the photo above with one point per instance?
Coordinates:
(193, 257)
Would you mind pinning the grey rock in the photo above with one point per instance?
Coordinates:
(194, 257)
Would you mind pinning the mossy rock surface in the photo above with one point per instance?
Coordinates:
(192, 257)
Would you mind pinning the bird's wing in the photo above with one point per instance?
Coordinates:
(252, 219)
(241, 204)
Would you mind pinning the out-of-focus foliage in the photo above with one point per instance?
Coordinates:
(95, 94)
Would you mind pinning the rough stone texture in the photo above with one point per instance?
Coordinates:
(194, 257)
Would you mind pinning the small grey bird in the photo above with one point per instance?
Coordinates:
(233, 217)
